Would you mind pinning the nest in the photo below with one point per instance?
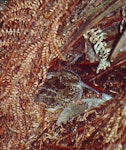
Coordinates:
(42, 36)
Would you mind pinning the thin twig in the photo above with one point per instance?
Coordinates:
(108, 70)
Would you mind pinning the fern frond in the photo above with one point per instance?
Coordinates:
(96, 37)
(7, 32)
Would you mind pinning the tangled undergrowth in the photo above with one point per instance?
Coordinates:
(42, 36)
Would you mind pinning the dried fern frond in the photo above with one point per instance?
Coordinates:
(34, 34)
(96, 37)
(28, 45)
